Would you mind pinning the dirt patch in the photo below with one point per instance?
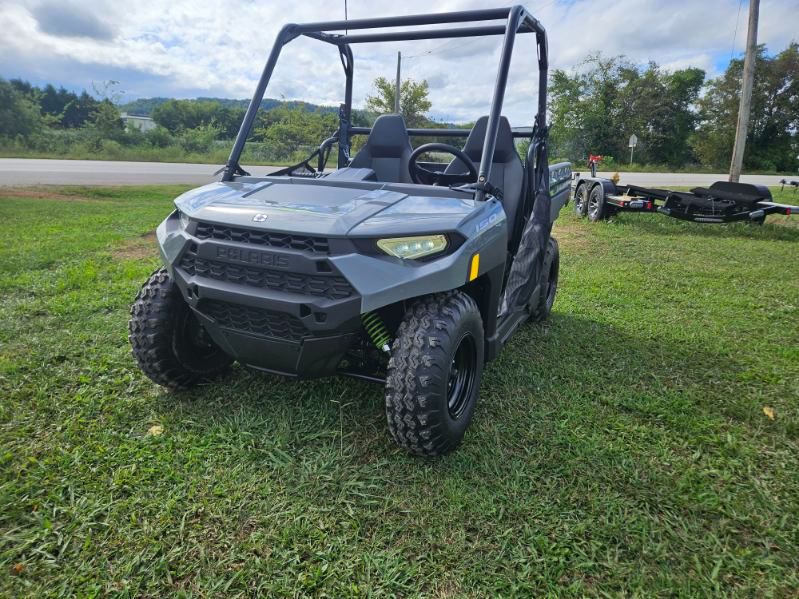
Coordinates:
(138, 248)
(571, 235)
(40, 193)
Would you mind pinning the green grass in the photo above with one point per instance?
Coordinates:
(619, 449)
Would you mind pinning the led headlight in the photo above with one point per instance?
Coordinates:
(413, 247)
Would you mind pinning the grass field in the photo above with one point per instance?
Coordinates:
(620, 449)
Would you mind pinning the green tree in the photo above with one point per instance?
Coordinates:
(78, 111)
(60, 107)
(181, 115)
(292, 132)
(596, 108)
(414, 100)
(19, 115)
(772, 142)
(106, 125)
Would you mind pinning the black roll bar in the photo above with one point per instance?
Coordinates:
(434, 132)
(517, 20)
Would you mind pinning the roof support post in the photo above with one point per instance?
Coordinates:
(490, 142)
(232, 167)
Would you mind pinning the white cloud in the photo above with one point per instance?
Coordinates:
(189, 48)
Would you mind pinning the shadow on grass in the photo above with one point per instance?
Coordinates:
(570, 365)
(593, 451)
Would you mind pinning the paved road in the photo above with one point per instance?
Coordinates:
(18, 172)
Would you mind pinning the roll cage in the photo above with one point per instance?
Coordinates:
(507, 22)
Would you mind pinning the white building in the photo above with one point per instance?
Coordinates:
(142, 123)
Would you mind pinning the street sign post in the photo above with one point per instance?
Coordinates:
(633, 143)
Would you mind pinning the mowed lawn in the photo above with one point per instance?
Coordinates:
(645, 441)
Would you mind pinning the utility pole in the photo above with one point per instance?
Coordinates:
(746, 94)
(397, 85)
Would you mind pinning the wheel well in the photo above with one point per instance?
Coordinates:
(485, 290)
(480, 291)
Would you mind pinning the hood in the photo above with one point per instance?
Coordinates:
(323, 209)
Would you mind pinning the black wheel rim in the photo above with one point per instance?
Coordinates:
(191, 341)
(461, 376)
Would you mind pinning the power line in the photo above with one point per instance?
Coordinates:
(432, 51)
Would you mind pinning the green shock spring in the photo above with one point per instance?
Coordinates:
(377, 331)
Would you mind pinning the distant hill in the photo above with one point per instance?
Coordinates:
(360, 116)
(145, 106)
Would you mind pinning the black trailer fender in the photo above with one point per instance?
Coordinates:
(608, 186)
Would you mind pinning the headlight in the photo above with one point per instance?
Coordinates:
(413, 247)
(184, 219)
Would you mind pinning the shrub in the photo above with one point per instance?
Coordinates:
(159, 137)
(199, 139)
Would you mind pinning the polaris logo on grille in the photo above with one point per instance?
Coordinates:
(252, 257)
(259, 218)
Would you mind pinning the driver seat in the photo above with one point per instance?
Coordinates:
(507, 171)
(387, 150)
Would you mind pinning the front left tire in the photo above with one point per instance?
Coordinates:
(169, 343)
(434, 373)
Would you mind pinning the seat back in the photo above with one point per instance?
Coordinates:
(507, 171)
(387, 150)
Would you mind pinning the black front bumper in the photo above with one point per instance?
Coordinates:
(286, 310)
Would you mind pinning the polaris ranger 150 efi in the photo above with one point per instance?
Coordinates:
(390, 269)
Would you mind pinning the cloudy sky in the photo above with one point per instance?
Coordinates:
(190, 48)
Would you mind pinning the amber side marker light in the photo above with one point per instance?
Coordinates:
(475, 267)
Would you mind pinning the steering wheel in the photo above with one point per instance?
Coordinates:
(423, 176)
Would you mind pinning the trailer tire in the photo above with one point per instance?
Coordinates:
(549, 283)
(597, 208)
(167, 339)
(581, 200)
(434, 373)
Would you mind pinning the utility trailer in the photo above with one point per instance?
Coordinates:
(722, 202)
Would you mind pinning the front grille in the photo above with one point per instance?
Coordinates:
(328, 286)
(303, 243)
(256, 321)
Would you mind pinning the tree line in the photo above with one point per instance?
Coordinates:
(679, 118)
(57, 122)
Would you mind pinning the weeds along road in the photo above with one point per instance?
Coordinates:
(23, 171)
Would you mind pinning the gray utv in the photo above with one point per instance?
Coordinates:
(390, 269)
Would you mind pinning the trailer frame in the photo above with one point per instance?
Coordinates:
(722, 202)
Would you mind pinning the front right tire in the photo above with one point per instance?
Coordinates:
(169, 343)
(434, 372)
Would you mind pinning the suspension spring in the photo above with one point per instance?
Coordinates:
(377, 331)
